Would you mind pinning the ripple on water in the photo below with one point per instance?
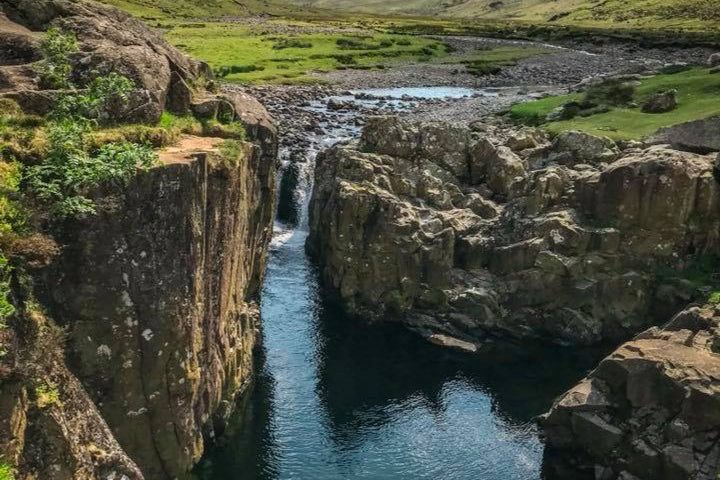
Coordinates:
(337, 399)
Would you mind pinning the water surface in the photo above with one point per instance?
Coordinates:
(337, 399)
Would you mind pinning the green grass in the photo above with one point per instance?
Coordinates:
(654, 14)
(243, 55)
(202, 9)
(6, 472)
(698, 97)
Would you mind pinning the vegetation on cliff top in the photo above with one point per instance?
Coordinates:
(698, 97)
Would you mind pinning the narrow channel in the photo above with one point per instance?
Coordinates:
(335, 398)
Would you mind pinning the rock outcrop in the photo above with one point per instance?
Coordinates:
(109, 40)
(649, 411)
(462, 238)
(696, 136)
(158, 294)
(49, 426)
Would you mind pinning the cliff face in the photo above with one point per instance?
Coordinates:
(49, 426)
(158, 294)
(465, 236)
(649, 411)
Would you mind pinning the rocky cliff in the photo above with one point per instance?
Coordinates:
(649, 411)
(158, 296)
(127, 351)
(469, 235)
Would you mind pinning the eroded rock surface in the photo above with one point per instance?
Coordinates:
(649, 411)
(458, 235)
(158, 293)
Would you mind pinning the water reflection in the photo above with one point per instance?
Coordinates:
(337, 399)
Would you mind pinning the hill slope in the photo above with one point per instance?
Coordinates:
(202, 8)
(694, 14)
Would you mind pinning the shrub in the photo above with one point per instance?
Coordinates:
(224, 71)
(611, 91)
(67, 172)
(6, 472)
(291, 43)
(54, 70)
(6, 308)
(353, 44)
(103, 96)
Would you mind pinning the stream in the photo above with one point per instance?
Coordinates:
(335, 398)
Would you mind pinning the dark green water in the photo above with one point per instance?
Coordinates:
(336, 399)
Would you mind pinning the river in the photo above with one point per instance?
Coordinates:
(335, 398)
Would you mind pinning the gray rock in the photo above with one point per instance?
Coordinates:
(714, 60)
(698, 136)
(661, 102)
(575, 147)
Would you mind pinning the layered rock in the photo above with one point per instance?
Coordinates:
(158, 294)
(462, 238)
(649, 411)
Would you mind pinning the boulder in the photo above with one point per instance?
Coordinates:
(649, 411)
(700, 136)
(574, 147)
(714, 60)
(525, 139)
(443, 144)
(661, 102)
(109, 40)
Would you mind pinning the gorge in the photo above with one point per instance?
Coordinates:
(385, 276)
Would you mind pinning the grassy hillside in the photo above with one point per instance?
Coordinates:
(698, 97)
(685, 14)
(184, 9)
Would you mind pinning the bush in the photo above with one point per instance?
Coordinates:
(68, 171)
(291, 43)
(54, 70)
(6, 472)
(103, 96)
(224, 71)
(353, 44)
(6, 308)
(612, 91)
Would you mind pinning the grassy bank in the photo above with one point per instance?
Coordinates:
(238, 53)
(698, 97)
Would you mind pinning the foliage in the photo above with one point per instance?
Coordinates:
(54, 70)
(71, 166)
(69, 170)
(6, 472)
(6, 308)
(615, 92)
(96, 102)
(284, 43)
(11, 217)
(230, 149)
(47, 394)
